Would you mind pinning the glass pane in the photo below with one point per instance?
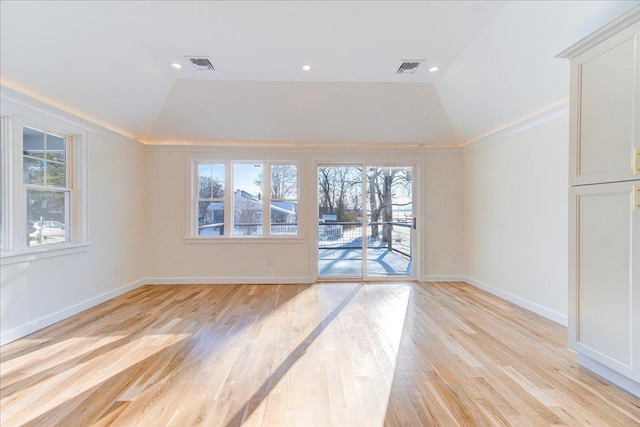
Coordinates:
(32, 142)
(340, 231)
(56, 174)
(217, 174)
(247, 199)
(46, 217)
(284, 181)
(211, 181)
(284, 218)
(204, 181)
(33, 171)
(390, 214)
(56, 147)
(210, 218)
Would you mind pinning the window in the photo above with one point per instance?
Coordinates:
(284, 200)
(45, 175)
(211, 180)
(232, 200)
(43, 187)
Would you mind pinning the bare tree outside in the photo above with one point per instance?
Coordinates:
(208, 188)
(384, 204)
(340, 193)
(387, 187)
(284, 181)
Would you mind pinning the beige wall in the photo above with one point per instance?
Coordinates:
(172, 258)
(515, 217)
(442, 219)
(38, 292)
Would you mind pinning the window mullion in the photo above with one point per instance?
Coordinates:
(194, 221)
(47, 187)
(229, 220)
(266, 203)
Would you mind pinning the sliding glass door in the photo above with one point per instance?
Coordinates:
(365, 221)
(390, 224)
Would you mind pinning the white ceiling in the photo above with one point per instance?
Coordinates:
(110, 62)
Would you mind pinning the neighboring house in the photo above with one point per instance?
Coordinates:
(249, 210)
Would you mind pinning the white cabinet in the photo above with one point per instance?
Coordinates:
(605, 110)
(605, 274)
(604, 201)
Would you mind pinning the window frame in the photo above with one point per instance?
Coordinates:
(229, 202)
(6, 171)
(67, 189)
(15, 244)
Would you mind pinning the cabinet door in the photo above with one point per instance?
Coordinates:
(604, 279)
(605, 111)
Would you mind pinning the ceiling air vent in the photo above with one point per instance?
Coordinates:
(409, 66)
(201, 63)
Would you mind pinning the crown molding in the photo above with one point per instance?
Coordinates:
(623, 21)
(19, 103)
(536, 118)
(199, 145)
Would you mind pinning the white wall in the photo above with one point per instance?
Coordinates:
(442, 219)
(515, 217)
(37, 293)
(172, 258)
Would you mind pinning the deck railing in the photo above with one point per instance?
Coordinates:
(249, 229)
(391, 235)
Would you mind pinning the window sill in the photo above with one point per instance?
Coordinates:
(246, 240)
(28, 255)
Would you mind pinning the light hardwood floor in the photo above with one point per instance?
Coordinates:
(298, 355)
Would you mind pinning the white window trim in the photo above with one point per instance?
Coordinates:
(192, 211)
(14, 243)
(7, 190)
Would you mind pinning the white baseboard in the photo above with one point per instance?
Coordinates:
(618, 379)
(443, 278)
(225, 280)
(50, 319)
(522, 302)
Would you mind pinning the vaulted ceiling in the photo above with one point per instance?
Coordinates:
(109, 62)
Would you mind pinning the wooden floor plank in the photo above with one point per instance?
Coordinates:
(344, 354)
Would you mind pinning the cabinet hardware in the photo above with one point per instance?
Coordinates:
(636, 198)
(636, 161)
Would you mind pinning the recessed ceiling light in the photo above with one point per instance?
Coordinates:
(434, 69)
(176, 65)
(306, 67)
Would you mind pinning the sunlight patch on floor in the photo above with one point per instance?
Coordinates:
(43, 396)
(349, 367)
